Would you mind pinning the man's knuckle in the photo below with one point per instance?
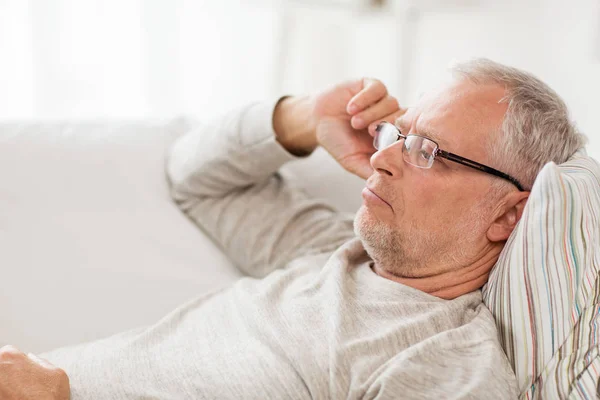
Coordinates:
(375, 84)
(367, 80)
(9, 351)
(60, 373)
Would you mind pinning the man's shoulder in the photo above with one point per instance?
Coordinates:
(468, 361)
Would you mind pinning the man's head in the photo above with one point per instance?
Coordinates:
(444, 227)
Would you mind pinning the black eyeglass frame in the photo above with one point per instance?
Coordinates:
(456, 158)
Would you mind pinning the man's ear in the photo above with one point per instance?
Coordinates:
(507, 215)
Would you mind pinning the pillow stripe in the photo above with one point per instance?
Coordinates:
(545, 291)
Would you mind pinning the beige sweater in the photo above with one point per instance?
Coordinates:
(319, 325)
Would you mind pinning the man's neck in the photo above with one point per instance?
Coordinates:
(451, 284)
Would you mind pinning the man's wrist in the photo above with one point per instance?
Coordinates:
(294, 126)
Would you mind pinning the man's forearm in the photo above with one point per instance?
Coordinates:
(225, 178)
(232, 152)
(294, 125)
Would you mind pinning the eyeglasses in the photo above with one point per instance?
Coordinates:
(421, 152)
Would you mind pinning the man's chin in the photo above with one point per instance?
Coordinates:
(365, 215)
(359, 219)
(368, 226)
(377, 237)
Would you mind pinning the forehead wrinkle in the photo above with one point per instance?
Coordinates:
(404, 127)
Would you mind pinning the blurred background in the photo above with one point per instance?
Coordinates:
(80, 59)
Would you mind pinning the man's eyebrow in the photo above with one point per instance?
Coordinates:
(423, 132)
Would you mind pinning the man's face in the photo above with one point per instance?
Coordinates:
(438, 217)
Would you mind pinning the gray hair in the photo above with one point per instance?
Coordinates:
(536, 128)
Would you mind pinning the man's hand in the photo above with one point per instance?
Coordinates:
(342, 119)
(347, 115)
(24, 377)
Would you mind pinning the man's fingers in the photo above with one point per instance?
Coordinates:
(360, 166)
(373, 91)
(389, 118)
(379, 110)
(364, 171)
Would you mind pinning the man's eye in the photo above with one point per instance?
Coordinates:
(425, 155)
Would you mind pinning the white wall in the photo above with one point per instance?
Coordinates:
(557, 40)
(132, 58)
(139, 58)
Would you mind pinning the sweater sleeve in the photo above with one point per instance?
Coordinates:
(224, 177)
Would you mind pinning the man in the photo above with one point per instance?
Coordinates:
(385, 306)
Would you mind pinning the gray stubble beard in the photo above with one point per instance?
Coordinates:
(405, 253)
(383, 244)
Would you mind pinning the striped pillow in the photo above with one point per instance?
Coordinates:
(544, 291)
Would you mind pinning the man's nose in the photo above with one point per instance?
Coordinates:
(389, 161)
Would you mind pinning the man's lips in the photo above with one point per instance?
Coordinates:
(370, 193)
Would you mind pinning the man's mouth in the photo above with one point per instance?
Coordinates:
(370, 194)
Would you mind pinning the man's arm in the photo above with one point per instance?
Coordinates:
(224, 177)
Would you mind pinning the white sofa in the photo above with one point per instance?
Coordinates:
(91, 243)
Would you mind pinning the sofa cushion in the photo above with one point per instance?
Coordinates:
(91, 242)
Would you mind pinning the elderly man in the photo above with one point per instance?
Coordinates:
(383, 306)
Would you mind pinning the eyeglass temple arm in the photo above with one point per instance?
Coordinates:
(478, 166)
